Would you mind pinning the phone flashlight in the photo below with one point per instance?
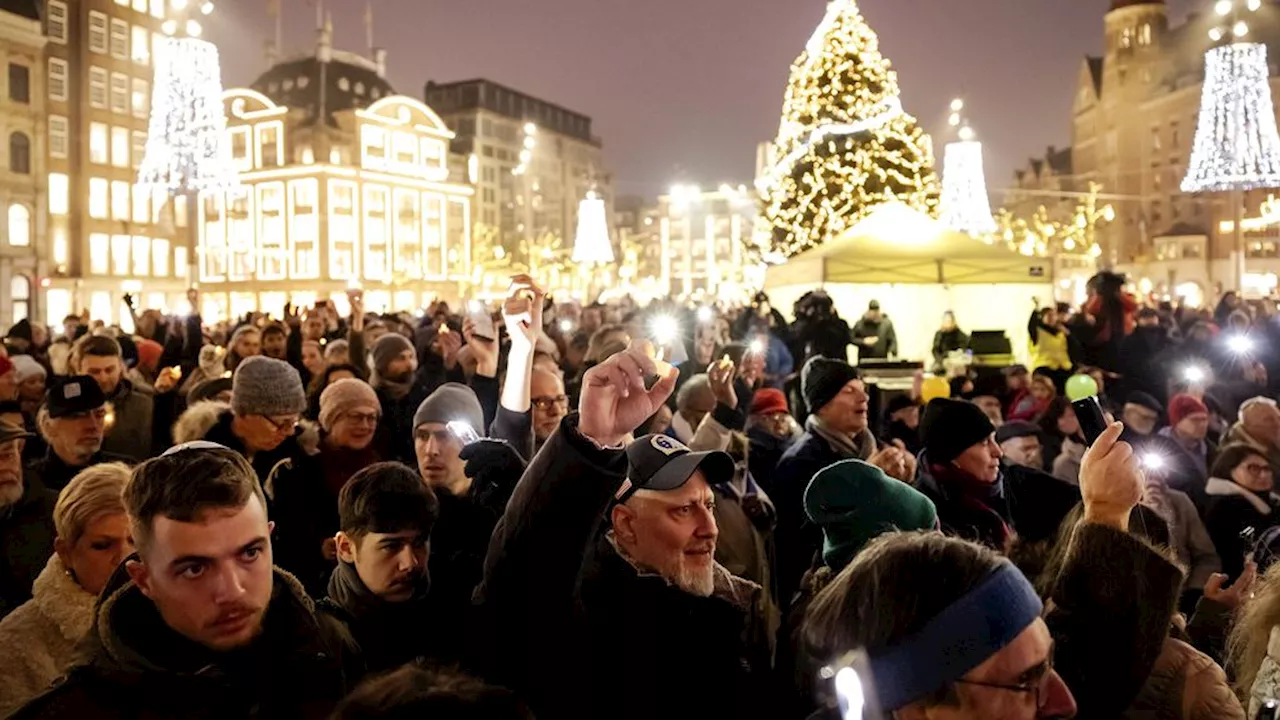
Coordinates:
(1240, 344)
(566, 325)
(462, 430)
(1153, 461)
(665, 329)
(855, 696)
(756, 347)
(1193, 374)
(705, 314)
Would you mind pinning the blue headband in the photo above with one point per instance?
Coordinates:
(957, 640)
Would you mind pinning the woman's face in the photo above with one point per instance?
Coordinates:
(1254, 473)
(354, 429)
(102, 546)
(1068, 423)
(1042, 390)
(312, 358)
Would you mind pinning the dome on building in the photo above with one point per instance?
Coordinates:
(348, 82)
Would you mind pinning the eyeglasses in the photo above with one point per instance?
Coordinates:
(1259, 469)
(282, 425)
(1032, 688)
(362, 418)
(549, 402)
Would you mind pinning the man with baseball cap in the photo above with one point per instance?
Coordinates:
(603, 568)
(73, 421)
(26, 521)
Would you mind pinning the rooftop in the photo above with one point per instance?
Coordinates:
(348, 82)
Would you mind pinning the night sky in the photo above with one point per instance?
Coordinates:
(683, 90)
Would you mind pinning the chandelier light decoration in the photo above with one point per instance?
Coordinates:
(186, 150)
(965, 205)
(591, 244)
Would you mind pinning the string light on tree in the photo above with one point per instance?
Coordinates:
(965, 204)
(844, 143)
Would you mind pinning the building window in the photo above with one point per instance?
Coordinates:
(98, 88)
(57, 79)
(141, 44)
(342, 230)
(56, 21)
(141, 204)
(213, 260)
(271, 232)
(120, 254)
(240, 156)
(19, 83)
(97, 32)
(240, 246)
(269, 146)
(19, 225)
(119, 93)
(19, 153)
(141, 256)
(407, 253)
(120, 204)
(376, 245)
(406, 148)
(99, 144)
(374, 140)
(141, 103)
(99, 254)
(139, 5)
(120, 147)
(1144, 34)
(157, 8)
(304, 229)
(119, 39)
(20, 290)
(138, 149)
(99, 198)
(59, 191)
(160, 257)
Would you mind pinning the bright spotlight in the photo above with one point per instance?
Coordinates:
(1240, 344)
(1193, 374)
(665, 329)
(706, 314)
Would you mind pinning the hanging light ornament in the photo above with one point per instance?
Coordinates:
(965, 206)
(592, 244)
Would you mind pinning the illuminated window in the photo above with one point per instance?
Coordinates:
(1144, 34)
(120, 254)
(213, 255)
(99, 254)
(304, 229)
(120, 147)
(119, 39)
(59, 189)
(100, 305)
(157, 8)
(138, 148)
(240, 247)
(141, 45)
(99, 143)
(160, 199)
(240, 155)
(59, 245)
(376, 244)
(57, 79)
(99, 198)
(57, 136)
(139, 99)
(408, 236)
(160, 257)
(457, 233)
(374, 142)
(432, 152)
(139, 5)
(20, 292)
(433, 234)
(19, 225)
(98, 87)
(272, 252)
(406, 149)
(268, 145)
(97, 32)
(56, 21)
(141, 256)
(342, 230)
(19, 153)
(119, 93)
(181, 266)
(120, 204)
(141, 204)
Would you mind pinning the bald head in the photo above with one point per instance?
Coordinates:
(550, 404)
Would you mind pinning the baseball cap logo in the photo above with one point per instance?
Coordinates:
(666, 445)
(71, 391)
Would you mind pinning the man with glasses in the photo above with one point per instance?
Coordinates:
(73, 422)
(550, 405)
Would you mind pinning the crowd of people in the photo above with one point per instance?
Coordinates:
(552, 510)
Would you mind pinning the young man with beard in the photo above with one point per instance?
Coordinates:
(401, 389)
(26, 522)
(380, 588)
(604, 559)
(133, 406)
(73, 423)
(200, 624)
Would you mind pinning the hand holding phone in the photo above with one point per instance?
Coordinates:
(482, 320)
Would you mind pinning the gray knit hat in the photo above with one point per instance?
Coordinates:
(451, 401)
(388, 348)
(264, 386)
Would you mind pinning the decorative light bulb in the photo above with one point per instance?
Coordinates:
(1223, 7)
(954, 120)
(1254, 5)
(179, 5)
(194, 29)
(957, 105)
(1109, 213)
(966, 133)
(169, 27)
(1215, 34)
(1241, 29)
(530, 129)
(206, 8)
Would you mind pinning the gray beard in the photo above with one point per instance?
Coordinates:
(10, 495)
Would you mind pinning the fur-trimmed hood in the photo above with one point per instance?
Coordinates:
(196, 422)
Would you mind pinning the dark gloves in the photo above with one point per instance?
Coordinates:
(494, 468)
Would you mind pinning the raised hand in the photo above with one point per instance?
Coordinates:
(1231, 596)
(720, 376)
(485, 351)
(1111, 480)
(614, 399)
(449, 343)
(522, 312)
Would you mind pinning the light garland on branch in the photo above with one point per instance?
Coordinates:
(1236, 144)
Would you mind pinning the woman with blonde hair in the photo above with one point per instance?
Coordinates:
(1253, 647)
(92, 540)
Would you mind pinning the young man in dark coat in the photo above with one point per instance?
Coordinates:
(133, 406)
(199, 624)
(604, 558)
(26, 522)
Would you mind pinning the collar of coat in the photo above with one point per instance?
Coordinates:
(1224, 488)
(734, 590)
(62, 600)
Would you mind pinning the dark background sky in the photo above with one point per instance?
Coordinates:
(683, 90)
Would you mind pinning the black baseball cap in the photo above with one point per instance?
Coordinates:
(73, 396)
(660, 462)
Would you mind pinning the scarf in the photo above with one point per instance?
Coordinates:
(349, 592)
(858, 447)
(395, 389)
(983, 503)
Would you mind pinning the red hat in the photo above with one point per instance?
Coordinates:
(769, 401)
(1183, 405)
(149, 352)
(6, 365)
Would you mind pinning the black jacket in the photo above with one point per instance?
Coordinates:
(263, 462)
(556, 595)
(1231, 509)
(26, 542)
(54, 474)
(135, 666)
(766, 451)
(387, 634)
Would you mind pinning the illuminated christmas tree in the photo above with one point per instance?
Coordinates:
(844, 144)
(965, 206)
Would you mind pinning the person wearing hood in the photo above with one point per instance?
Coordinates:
(401, 386)
(132, 406)
(978, 497)
(836, 429)
(874, 335)
(73, 423)
(92, 540)
(1240, 495)
(380, 589)
(199, 623)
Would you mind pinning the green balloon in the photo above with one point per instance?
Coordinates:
(1080, 387)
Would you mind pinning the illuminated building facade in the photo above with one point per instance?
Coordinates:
(344, 183)
(704, 237)
(22, 127)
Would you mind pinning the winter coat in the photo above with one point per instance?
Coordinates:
(945, 341)
(1190, 540)
(1229, 509)
(135, 666)
(556, 593)
(54, 474)
(387, 634)
(211, 421)
(1050, 347)
(1266, 684)
(134, 409)
(26, 542)
(766, 451)
(1185, 684)
(46, 629)
(886, 343)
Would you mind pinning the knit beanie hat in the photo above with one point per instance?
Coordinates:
(149, 352)
(769, 401)
(822, 379)
(265, 386)
(25, 366)
(854, 502)
(21, 330)
(336, 348)
(451, 401)
(1183, 405)
(345, 395)
(388, 348)
(1016, 429)
(1142, 399)
(949, 427)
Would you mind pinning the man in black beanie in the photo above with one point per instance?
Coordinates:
(979, 497)
(835, 430)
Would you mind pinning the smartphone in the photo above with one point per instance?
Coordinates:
(852, 687)
(482, 320)
(463, 431)
(1270, 710)
(1092, 421)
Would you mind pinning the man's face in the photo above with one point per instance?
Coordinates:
(1139, 419)
(873, 316)
(403, 366)
(77, 438)
(990, 407)
(847, 411)
(981, 461)
(550, 404)
(673, 532)
(1193, 427)
(391, 565)
(1016, 382)
(210, 580)
(437, 449)
(313, 328)
(248, 345)
(261, 433)
(10, 472)
(104, 369)
(1023, 451)
(69, 328)
(32, 389)
(1025, 662)
(778, 424)
(274, 345)
(1263, 423)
